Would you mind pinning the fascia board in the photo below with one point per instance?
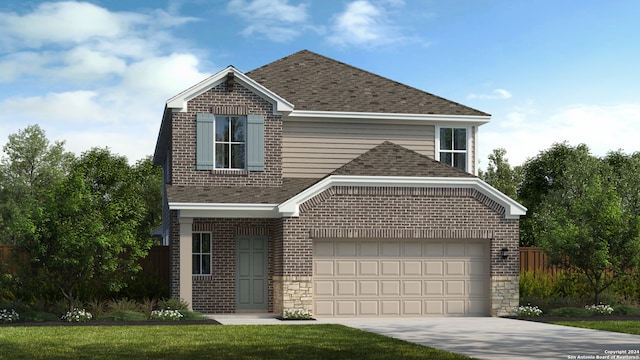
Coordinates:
(221, 210)
(435, 118)
(179, 102)
(291, 207)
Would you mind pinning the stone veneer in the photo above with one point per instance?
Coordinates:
(292, 293)
(505, 295)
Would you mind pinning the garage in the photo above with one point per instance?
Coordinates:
(389, 277)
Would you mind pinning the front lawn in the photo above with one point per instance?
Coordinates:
(623, 326)
(206, 342)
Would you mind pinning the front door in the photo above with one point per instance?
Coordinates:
(251, 273)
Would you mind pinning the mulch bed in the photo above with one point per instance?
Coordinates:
(112, 323)
(548, 319)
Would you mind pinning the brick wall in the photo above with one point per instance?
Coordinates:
(184, 140)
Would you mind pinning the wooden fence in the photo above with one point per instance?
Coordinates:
(155, 264)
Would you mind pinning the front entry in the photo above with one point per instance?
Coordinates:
(251, 273)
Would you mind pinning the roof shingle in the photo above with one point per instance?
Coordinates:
(317, 83)
(389, 159)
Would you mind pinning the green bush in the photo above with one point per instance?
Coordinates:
(123, 315)
(571, 312)
(122, 305)
(39, 316)
(626, 310)
(173, 304)
(192, 315)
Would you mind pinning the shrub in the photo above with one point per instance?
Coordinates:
(39, 316)
(528, 311)
(8, 316)
(77, 315)
(173, 304)
(124, 315)
(123, 305)
(571, 312)
(97, 307)
(600, 309)
(192, 315)
(147, 306)
(297, 314)
(166, 315)
(626, 310)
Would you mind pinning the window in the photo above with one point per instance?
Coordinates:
(230, 142)
(453, 147)
(201, 253)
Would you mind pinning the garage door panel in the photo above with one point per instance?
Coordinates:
(434, 267)
(323, 288)
(369, 268)
(401, 278)
(346, 268)
(390, 267)
(390, 287)
(345, 248)
(455, 268)
(346, 288)
(411, 288)
(412, 268)
(323, 268)
(368, 288)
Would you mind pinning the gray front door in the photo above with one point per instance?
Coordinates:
(251, 273)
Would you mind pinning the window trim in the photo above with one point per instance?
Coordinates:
(210, 253)
(468, 152)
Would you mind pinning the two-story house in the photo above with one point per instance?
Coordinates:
(309, 184)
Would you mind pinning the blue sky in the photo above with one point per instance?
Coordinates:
(97, 73)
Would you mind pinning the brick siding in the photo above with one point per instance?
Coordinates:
(183, 154)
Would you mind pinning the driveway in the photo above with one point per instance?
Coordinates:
(498, 338)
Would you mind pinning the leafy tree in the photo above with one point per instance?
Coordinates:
(622, 172)
(548, 172)
(501, 175)
(88, 231)
(31, 166)
(149, 180)
(586, 229)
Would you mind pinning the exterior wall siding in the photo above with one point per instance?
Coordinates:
(316, 148)
(183, 155)
(216, 293)
(365, 212)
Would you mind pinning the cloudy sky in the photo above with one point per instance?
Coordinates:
(98, 73)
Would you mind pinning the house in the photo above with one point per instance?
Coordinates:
(309, 184)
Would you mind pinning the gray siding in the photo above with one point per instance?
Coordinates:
(313, 149)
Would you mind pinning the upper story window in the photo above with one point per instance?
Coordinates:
(453, 149)
(230, 142)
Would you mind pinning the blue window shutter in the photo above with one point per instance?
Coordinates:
(255, 142)
(204, 141)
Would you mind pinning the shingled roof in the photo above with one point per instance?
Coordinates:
(317, 83)
(389, 159)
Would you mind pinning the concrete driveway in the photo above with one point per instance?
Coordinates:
(498, 338)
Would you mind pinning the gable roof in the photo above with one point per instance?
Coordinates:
(313, 82)
(389, 159)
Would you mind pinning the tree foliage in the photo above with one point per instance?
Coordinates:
(82, 223)
(501, 175)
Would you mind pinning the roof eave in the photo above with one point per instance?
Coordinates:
(439, 118)
(179, 103)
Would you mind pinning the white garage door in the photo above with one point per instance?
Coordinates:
(400, 278)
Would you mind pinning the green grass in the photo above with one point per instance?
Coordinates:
(622, 326)
(207, 342)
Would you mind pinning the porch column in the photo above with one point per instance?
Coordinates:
(186, 277)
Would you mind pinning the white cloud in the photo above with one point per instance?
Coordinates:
(494, 95)
(107, 73)
(368, 24)
(602, 128)
(275, 19)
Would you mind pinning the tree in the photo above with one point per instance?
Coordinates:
(587, 230)
(559, 168)
(88, 231)
(31, 166)
(149, 180)
(622, 172)
(501, 175)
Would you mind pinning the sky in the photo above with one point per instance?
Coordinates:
(97, 73)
